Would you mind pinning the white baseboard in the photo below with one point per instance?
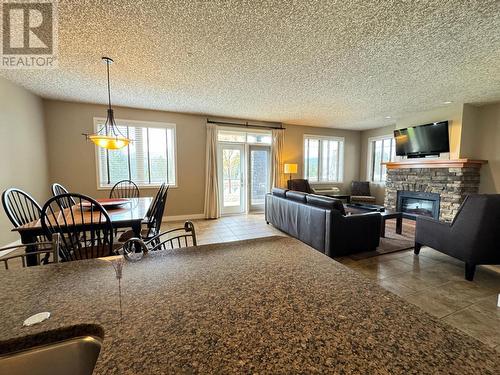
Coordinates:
(5, 252)
(184, 217)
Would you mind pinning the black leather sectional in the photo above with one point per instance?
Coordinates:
(321, 222)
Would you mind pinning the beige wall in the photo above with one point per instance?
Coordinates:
(22, 148)
(377, 189)
(469, 137)
(451, 112)
(487, 147)
(294, 147)
(72, 159)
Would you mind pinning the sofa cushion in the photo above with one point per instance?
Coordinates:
(326, 202)
(279, 192)
(296, 196)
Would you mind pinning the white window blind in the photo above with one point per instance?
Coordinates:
(149, 160)
(382, 150)
(323, 158)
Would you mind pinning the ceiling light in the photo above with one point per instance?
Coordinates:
(388, 117)
(109, 136)
(447, 102)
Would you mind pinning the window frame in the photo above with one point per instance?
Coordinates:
(340, 161)
(98, 121)
(246, 132)
(371, 156)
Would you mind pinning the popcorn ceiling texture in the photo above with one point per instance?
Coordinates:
(344, 64)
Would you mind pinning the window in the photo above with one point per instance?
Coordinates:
(381, 150)
(323, 158)
(237, 136)
(149, 160)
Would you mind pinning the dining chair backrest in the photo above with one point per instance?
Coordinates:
(124, 189)
(174, 238)
(85, 227)
(20, 207)
(153, 204)
(155, 217)
(48, 249)
(58, 189)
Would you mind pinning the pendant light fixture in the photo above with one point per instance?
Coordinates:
(109, 136)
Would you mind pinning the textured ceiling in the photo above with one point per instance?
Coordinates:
(344, 64)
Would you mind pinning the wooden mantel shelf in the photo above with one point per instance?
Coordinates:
(435, 163)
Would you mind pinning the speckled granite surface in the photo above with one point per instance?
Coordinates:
(261, 306)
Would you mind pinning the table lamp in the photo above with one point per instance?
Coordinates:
(290, 169)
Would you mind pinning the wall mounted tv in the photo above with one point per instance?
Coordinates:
(424, 140)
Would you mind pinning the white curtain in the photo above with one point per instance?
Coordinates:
(212, 205)
(277, 157)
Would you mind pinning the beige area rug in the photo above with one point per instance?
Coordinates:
(391, 243)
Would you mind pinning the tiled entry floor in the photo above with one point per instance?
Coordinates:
(230, 228)
(432, 280)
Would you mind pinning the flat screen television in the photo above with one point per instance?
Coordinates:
(424, 140)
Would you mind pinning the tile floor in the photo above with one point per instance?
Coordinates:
(433, 281)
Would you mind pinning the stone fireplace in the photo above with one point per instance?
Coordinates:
(431, 187)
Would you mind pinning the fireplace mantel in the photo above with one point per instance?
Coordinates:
(435, 163)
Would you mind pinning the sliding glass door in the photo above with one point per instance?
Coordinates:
(244, 169)
(232, 178)
(259, 176)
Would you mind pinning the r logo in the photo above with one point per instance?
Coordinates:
(28, 28)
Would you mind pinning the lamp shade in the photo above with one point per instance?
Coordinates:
(290, 168)
(111, 143)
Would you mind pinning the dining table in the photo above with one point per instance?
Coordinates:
(130, 214)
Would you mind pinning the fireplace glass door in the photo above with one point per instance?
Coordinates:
(413, 204)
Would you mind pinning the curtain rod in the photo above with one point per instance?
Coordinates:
(245, 125)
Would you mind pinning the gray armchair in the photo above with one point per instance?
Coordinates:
(473, 236)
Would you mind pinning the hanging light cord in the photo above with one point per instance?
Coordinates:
(109, 85)
(110, 119)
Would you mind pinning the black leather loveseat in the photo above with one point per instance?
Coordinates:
(321, 222)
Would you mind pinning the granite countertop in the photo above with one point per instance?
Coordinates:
(270, 305)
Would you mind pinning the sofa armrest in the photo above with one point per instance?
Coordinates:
(369, 218)
(354, 233)
(431, 232)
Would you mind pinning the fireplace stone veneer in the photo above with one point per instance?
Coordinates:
(452, 185)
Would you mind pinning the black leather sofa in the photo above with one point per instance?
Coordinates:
(321, 222)
(473, 236)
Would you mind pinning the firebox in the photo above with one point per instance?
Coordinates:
(416, 203)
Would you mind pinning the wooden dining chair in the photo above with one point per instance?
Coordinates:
(46, 252)
(85, 227)
(20, 207)
(154, 216)
(124, 189)
(58, 189)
